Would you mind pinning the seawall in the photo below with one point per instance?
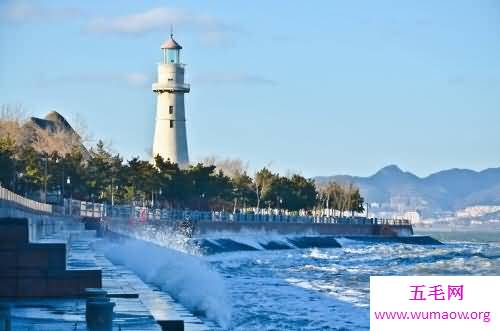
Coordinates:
(209, 237)
(338, 229)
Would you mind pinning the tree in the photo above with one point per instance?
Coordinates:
(75, 171)
(12, 119)
(230, 167)
(293, 193)
(356, 202)
(142, 179)
(7, 162)
(98, 172)
(243, 190)
(169, 176)
(263, 180)
(303, 193)
(342, 197)
(31, 165)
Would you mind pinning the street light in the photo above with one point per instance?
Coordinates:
(235, 191)
(45, 180)
(62, 177)
(202, 196)
(158, 197)
(68, 181)
(112, 194)
(20, 175)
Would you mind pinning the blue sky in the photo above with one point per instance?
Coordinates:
(318, 87)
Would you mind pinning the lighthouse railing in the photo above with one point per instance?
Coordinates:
(171, 86)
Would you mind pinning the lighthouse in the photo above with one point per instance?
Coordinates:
(170, 139)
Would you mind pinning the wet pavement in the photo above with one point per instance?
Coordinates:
(138, 305)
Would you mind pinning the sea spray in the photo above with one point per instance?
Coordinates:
(163, 236)
(185, 277)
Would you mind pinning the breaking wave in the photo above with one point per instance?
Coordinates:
(185, 277)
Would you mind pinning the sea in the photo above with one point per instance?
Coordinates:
(298, 289)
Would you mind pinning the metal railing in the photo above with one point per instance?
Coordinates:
(174, 86)
(79, 208)
(74, 207)
(11, 199)
(147, 214)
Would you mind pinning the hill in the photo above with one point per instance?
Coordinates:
(445, 190)
(50, 134)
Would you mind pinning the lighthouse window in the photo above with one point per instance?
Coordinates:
(171, 124)
(170, 109)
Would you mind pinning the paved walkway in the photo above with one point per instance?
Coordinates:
(138, 305)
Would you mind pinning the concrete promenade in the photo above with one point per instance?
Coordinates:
(43, 257)
(139, 306)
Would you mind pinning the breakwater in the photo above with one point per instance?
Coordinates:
(208, 237)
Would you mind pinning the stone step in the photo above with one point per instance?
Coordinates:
(37, 269)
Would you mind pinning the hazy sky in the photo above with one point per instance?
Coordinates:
(319, 87)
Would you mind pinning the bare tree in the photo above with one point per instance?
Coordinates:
(230, 167)
(341, 197)
(80, 126)
(15, 123)
(262, 180)
(12, 119)
(60, 141)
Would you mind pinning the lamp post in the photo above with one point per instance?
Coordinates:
(152, 198)
(62, 180)
(45, 180)
(112, 194)
(20, 175)
(235, 191)
(68, 181)
(159, 196)
(202, 196)
(61, 191)
(328, 204)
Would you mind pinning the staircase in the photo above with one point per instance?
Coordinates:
(29, 269)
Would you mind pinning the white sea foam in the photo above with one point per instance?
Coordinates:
(187, 278)
(267, 296)
(255, 239)
(309, 289)
(167, 238)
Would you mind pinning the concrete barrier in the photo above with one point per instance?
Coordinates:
(99, 315)
(337, 229)
(5, 319)
(171, 325)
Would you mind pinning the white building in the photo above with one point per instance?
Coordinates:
(170, 138)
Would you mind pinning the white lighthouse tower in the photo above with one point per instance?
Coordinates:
(170, 140)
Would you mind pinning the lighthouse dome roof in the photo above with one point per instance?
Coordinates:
(170, 43)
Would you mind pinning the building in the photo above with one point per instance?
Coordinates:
(170, 138)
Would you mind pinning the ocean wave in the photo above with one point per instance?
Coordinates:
(185, 277)
(301, 289)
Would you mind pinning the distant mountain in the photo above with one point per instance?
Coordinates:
(445, 190)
